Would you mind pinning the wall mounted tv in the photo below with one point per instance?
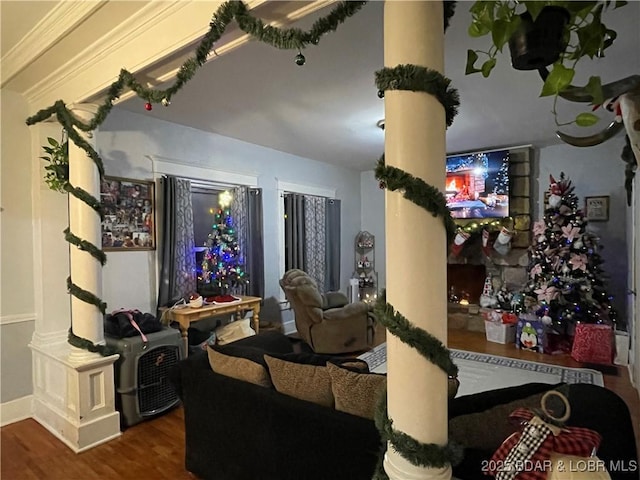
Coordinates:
(477, 185)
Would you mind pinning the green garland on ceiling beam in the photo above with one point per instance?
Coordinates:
(282, 38)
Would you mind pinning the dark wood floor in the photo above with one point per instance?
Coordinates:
(154, 449)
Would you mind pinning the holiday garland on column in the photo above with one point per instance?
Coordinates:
(402, 77)
(289, 38)
(417, 79)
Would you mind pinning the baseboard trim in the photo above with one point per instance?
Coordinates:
(16, 410)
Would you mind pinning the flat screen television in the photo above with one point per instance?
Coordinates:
(477, 185)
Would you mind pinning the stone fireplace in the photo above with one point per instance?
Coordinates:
(467, 271)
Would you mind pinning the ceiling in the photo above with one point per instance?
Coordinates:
(327, 109)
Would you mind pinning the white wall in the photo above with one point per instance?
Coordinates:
(125, 141)
(17, 308)
(596, 171)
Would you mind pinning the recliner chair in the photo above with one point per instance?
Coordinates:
(327, 323)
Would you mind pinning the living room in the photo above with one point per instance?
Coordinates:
(140, 146)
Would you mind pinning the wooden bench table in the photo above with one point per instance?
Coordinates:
(185, 316)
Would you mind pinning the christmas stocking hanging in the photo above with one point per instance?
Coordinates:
(502, 245)
(458, 242)
(486, 248)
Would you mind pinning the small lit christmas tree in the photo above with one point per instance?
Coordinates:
(222, 269)
(501, 185)
(566, 283)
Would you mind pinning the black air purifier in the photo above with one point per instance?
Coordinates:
(141, 374)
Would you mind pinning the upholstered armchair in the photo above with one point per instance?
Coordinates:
(327, 323)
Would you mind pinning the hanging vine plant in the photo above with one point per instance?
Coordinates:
(57, 171)
(544, 33)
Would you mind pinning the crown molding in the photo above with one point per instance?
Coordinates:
(63, 18)
(304, 10)
(110, 45)
(155, 33)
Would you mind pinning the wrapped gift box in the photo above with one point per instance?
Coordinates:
(593, 343)
(499, 332)
(530, 333)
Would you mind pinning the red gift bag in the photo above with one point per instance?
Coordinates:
(593, 343)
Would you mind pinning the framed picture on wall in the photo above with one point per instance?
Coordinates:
(596, 208)
(129, 214)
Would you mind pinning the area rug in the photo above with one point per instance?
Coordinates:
(479, 372)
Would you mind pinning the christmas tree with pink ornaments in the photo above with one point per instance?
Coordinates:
(566, 282)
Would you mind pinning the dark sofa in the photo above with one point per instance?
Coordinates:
(239, 431)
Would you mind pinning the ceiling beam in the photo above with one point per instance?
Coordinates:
(63, 18)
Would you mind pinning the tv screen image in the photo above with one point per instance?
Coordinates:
(477, 185)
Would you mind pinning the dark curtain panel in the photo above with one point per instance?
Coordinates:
(177, 260)
(247, 208)
(294, 231)
(332, 248)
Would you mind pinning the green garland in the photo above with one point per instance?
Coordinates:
(86, 246)
(417, 79)
(420, 79)
(85, 295)
(289, 38)
(418, 191)
(439, 456)
(427, 345)
(85, 344)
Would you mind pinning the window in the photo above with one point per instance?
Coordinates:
(204, 204)
(310, 235)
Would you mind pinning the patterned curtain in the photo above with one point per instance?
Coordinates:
(178, 264)
(315, 239)
(246, 209)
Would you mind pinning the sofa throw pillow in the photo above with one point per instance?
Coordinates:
(239, 368)
(234, 331)
(356, 393)
(471, 430)
(303, 381)
(321, 360)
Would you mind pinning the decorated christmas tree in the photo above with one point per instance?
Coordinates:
(566, 281)
(222, 269)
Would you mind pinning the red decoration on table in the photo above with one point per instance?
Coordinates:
(225, 298)
(148, 106)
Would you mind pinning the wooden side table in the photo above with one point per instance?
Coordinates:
(185, 316)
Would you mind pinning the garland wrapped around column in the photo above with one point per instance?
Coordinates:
(282, 38)
(416, 78)
(403, 77)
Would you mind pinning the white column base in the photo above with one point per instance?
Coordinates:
(398, 468)
(75, 400)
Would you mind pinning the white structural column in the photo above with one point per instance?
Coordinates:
(74, 389)
(416, 252)
(84, 222)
